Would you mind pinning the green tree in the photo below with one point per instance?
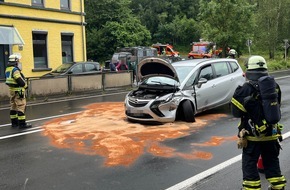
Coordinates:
(180, 31)
(161, 18)
(228, 23)
(111, 24)
(100, 12)
(272, 18)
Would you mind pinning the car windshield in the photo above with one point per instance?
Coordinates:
(62, 68)
(182, 71)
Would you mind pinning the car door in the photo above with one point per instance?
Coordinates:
(224, 82)
(205, 94)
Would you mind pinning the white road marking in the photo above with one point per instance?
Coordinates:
(20, 134)
(194, 179)
(33, 129)
(180, 186)
(45, 118)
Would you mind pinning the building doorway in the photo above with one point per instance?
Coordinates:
(4, 49)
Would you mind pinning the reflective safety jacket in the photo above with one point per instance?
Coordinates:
(258, 131)
(15, 79)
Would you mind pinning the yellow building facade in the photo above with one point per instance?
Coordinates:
(45, 33)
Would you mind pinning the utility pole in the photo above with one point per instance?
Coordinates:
(249, 43)
(286, 47)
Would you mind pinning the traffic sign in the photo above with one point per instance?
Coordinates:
(249, 42)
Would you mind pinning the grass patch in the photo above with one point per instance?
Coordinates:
(273, 64)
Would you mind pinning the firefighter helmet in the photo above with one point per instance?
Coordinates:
(232, 52)
(256, 62)
(14, 58)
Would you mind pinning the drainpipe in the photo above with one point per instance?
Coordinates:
(83, 30)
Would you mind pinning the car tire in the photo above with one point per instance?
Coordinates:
(188, 111)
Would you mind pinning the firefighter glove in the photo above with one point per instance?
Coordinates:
(242, 141)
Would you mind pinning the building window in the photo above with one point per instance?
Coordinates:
(40, 50)
(65, 4)
(67, 48)
(37, 2)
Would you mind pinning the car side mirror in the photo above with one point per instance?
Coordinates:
(201, 81)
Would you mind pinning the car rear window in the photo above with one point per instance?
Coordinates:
(234, 66)
(77, 69)
(91, 67)
(206, 72)
(221, 69)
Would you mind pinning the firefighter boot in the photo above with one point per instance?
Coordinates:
(22, 122)
(25, 125)
(14, 123)
(14, 118)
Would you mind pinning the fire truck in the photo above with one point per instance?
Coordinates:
(204, 49)
(165, 49)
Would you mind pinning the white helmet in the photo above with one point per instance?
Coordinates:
(232, 52)
(256, 62)
(14, 58)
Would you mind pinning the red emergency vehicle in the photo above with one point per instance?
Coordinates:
(165, 49)
(204, 50)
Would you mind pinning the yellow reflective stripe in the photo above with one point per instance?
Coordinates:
(16, 89)
(251, 188)
(258, 182)
(239, 124)
(238, 104)
(263, 138)
(261, 128)
(22, 117)
(16, 74)
(277, 182)
(13, 116)
(10, 79)
(252, 185)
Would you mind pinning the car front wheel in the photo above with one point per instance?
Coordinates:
(188, 111)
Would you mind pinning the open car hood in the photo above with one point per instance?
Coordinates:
(155, 66)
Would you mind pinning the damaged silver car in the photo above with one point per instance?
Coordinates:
(169, 92)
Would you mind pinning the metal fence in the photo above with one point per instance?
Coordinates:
(72, 84)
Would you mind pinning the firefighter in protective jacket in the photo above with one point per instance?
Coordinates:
(17, 85)
(257, 138)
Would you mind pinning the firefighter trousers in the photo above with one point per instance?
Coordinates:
(269, 150)
(17, 108)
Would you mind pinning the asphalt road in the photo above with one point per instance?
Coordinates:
(88, 144)
(228, 175)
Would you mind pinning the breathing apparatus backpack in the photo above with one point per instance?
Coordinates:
(263, 105)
